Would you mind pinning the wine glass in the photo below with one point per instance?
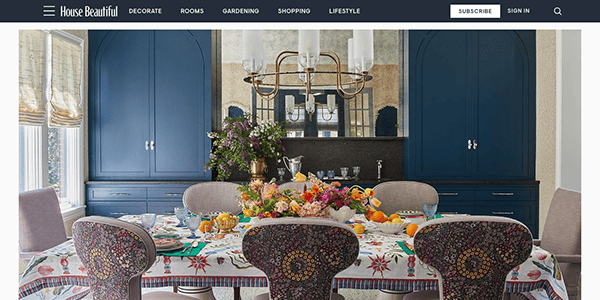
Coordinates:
(280, 172)
(429, 209)
(148, 221)
(355, 171)
(344, 172)
(193, 222)
(180, 213)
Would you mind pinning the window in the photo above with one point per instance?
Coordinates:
(51, 156)
(360, 110)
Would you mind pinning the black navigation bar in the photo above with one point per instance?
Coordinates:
(312, 11)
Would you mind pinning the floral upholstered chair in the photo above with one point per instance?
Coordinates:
(116, 254)
(300, 256)
(471, 255)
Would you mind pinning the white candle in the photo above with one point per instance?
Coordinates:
(289, 104)
(252, 51)
(309, 48)
(363, 49)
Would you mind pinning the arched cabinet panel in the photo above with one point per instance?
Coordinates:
(150, 103)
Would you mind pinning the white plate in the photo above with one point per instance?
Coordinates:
(176, 246)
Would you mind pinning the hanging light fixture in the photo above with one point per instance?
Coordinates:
(309, 55)
(309, 106)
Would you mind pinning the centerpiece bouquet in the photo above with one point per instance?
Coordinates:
(267, 200)
(242, 142)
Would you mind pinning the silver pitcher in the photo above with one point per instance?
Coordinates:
(293, 165)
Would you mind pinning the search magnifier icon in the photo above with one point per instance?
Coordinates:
(557, 11)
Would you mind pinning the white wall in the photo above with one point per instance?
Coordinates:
(569, 110)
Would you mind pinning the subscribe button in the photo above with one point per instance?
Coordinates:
(462, 11)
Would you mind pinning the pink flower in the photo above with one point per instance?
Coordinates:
(541, 256)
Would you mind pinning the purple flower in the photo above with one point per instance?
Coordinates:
(230, 162)
(283, 149)
(254, 142)
(246, 124)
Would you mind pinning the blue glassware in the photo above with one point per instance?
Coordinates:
(430, 210)
(330, 174)
(180, 213)
(321, 174)
(193, 222)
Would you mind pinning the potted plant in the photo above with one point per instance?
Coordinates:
(245, 145)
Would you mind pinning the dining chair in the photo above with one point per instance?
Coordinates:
(116, 254)
(404, 195)
(471, 255)
(562, 236)
(40, 222)
(210, 196)
(300, 256)
(296, 185)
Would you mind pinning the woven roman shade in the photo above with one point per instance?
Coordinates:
(64, 107)
(31, 76)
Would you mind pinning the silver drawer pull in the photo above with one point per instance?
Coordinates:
(120, 194)
(503, 194)
(503, 213)
(173, 194)
(118, 213)
(447, 194)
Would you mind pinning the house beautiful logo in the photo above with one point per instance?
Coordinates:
(89, 12)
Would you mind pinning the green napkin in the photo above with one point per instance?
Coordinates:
(194, 251)
(437, 216)
(244, 220)
(404, 248)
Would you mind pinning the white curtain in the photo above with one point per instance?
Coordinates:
(64, 108)
(31, 76)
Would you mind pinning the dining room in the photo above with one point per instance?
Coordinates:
(345, 153)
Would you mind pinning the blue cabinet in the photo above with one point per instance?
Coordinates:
(472, 121)
(118, 199)
(150, 104)
(517, 201)
(471, 106)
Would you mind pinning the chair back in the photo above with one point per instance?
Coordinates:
(300, 256)
(404, 195)
(296, 185)
(562, 235)
(116, 254)
(473, 255)
(210, 196)
(40, 220)
(562, 231)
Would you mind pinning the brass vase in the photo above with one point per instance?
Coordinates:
(258, 169)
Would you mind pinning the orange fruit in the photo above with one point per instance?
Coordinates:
(205, 226)
(393, 216)
(411, 229)
(379, 216)
(359, 228)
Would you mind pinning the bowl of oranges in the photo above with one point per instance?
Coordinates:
(391, 225)
(225, 222)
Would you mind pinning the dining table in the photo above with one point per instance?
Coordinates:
(385, 261)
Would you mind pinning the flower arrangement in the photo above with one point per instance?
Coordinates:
(241, 141)
(266, 200)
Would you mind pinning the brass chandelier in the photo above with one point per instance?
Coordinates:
(360, 62)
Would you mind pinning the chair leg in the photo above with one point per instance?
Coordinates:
(236, 293)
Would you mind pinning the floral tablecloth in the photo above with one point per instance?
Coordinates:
(58, 273)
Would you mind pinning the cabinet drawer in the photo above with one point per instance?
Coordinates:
(505, 193)
(455, 193)
(175, 193)
(117, 193)
(458, 207)
(163, 207)
(116, 209)
(511, 209)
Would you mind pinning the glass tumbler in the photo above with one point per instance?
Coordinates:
(180, 213)
(148, 221)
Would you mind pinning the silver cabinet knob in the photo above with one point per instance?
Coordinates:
(469, 144)
(147, 145)
(474, 144)
(152, 145)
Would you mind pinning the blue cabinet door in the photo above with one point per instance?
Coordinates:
(471, 106)
(506, 104)
(119, 108)
(181, 110)
(440, 101)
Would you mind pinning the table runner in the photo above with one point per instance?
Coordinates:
(381, 264)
